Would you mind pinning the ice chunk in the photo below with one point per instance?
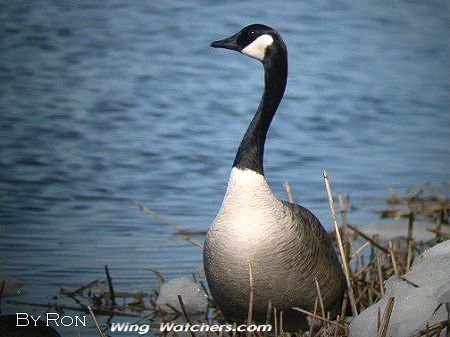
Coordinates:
(194, 298)
(418, 296)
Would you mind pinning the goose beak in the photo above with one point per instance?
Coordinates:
(228, 43)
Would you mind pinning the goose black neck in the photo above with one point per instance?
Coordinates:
(251, 151)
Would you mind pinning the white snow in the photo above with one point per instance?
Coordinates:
(414, 306)
(194, 298)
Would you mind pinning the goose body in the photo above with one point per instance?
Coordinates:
(284, 243)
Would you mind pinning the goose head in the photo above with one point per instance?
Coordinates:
(257, 41)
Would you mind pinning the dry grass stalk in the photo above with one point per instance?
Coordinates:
(314, 316)
(409, 255)
(386, 317)
(366, 237)
(360, 249)
(183, 308)
(321, 318)
(281, 323)
(392, 254)
(336, 331)
(288, 190)
(439, 233)
(410, 240)
(319, 295)
(341, 247)
(434, 328)
(275, 321)
(99, 330)
(184, 234)
(110, 286)
(343, 206)
(344, 305)
(380, 275)
(234, 329)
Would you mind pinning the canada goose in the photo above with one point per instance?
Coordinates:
(285, 243)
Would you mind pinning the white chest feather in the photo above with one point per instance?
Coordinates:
(249, 211)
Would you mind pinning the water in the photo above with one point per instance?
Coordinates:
(111, 102)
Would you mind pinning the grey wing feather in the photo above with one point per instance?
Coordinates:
(312, 230)
(309, 220)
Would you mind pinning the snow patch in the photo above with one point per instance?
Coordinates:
(194, 298)
(417, 302)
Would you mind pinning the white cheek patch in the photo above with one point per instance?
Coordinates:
(257, 49)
